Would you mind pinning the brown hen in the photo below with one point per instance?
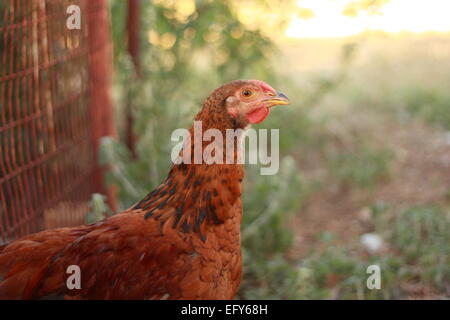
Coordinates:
(182, 241)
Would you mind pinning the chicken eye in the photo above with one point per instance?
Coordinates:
(247, 93)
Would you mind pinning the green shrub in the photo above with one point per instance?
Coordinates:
(269, 201)
(431, 104)
(363, 168)
(422, 237)
(417, 240)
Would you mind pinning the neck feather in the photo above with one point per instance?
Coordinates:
(197, 196)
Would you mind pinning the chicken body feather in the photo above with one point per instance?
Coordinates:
(123, 257)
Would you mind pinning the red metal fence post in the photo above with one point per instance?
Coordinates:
(100, 59)
(133, 27)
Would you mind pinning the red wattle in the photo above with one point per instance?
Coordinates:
(258, 115)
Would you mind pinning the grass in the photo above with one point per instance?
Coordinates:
(363, 168)
(414, 262)
(422, 235)
(430, 104)
(269, 201)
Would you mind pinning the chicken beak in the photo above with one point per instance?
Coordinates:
(277, 100)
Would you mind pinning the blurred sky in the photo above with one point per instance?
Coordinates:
(328, 20)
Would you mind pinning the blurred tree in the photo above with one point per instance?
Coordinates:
(372, 7)
(133, 32)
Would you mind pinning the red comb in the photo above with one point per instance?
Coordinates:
(264, 85)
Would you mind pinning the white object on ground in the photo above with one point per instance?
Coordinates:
(372, 242)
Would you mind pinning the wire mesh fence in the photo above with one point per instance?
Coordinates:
(54, 107)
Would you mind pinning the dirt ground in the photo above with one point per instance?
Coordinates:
(419, 175)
